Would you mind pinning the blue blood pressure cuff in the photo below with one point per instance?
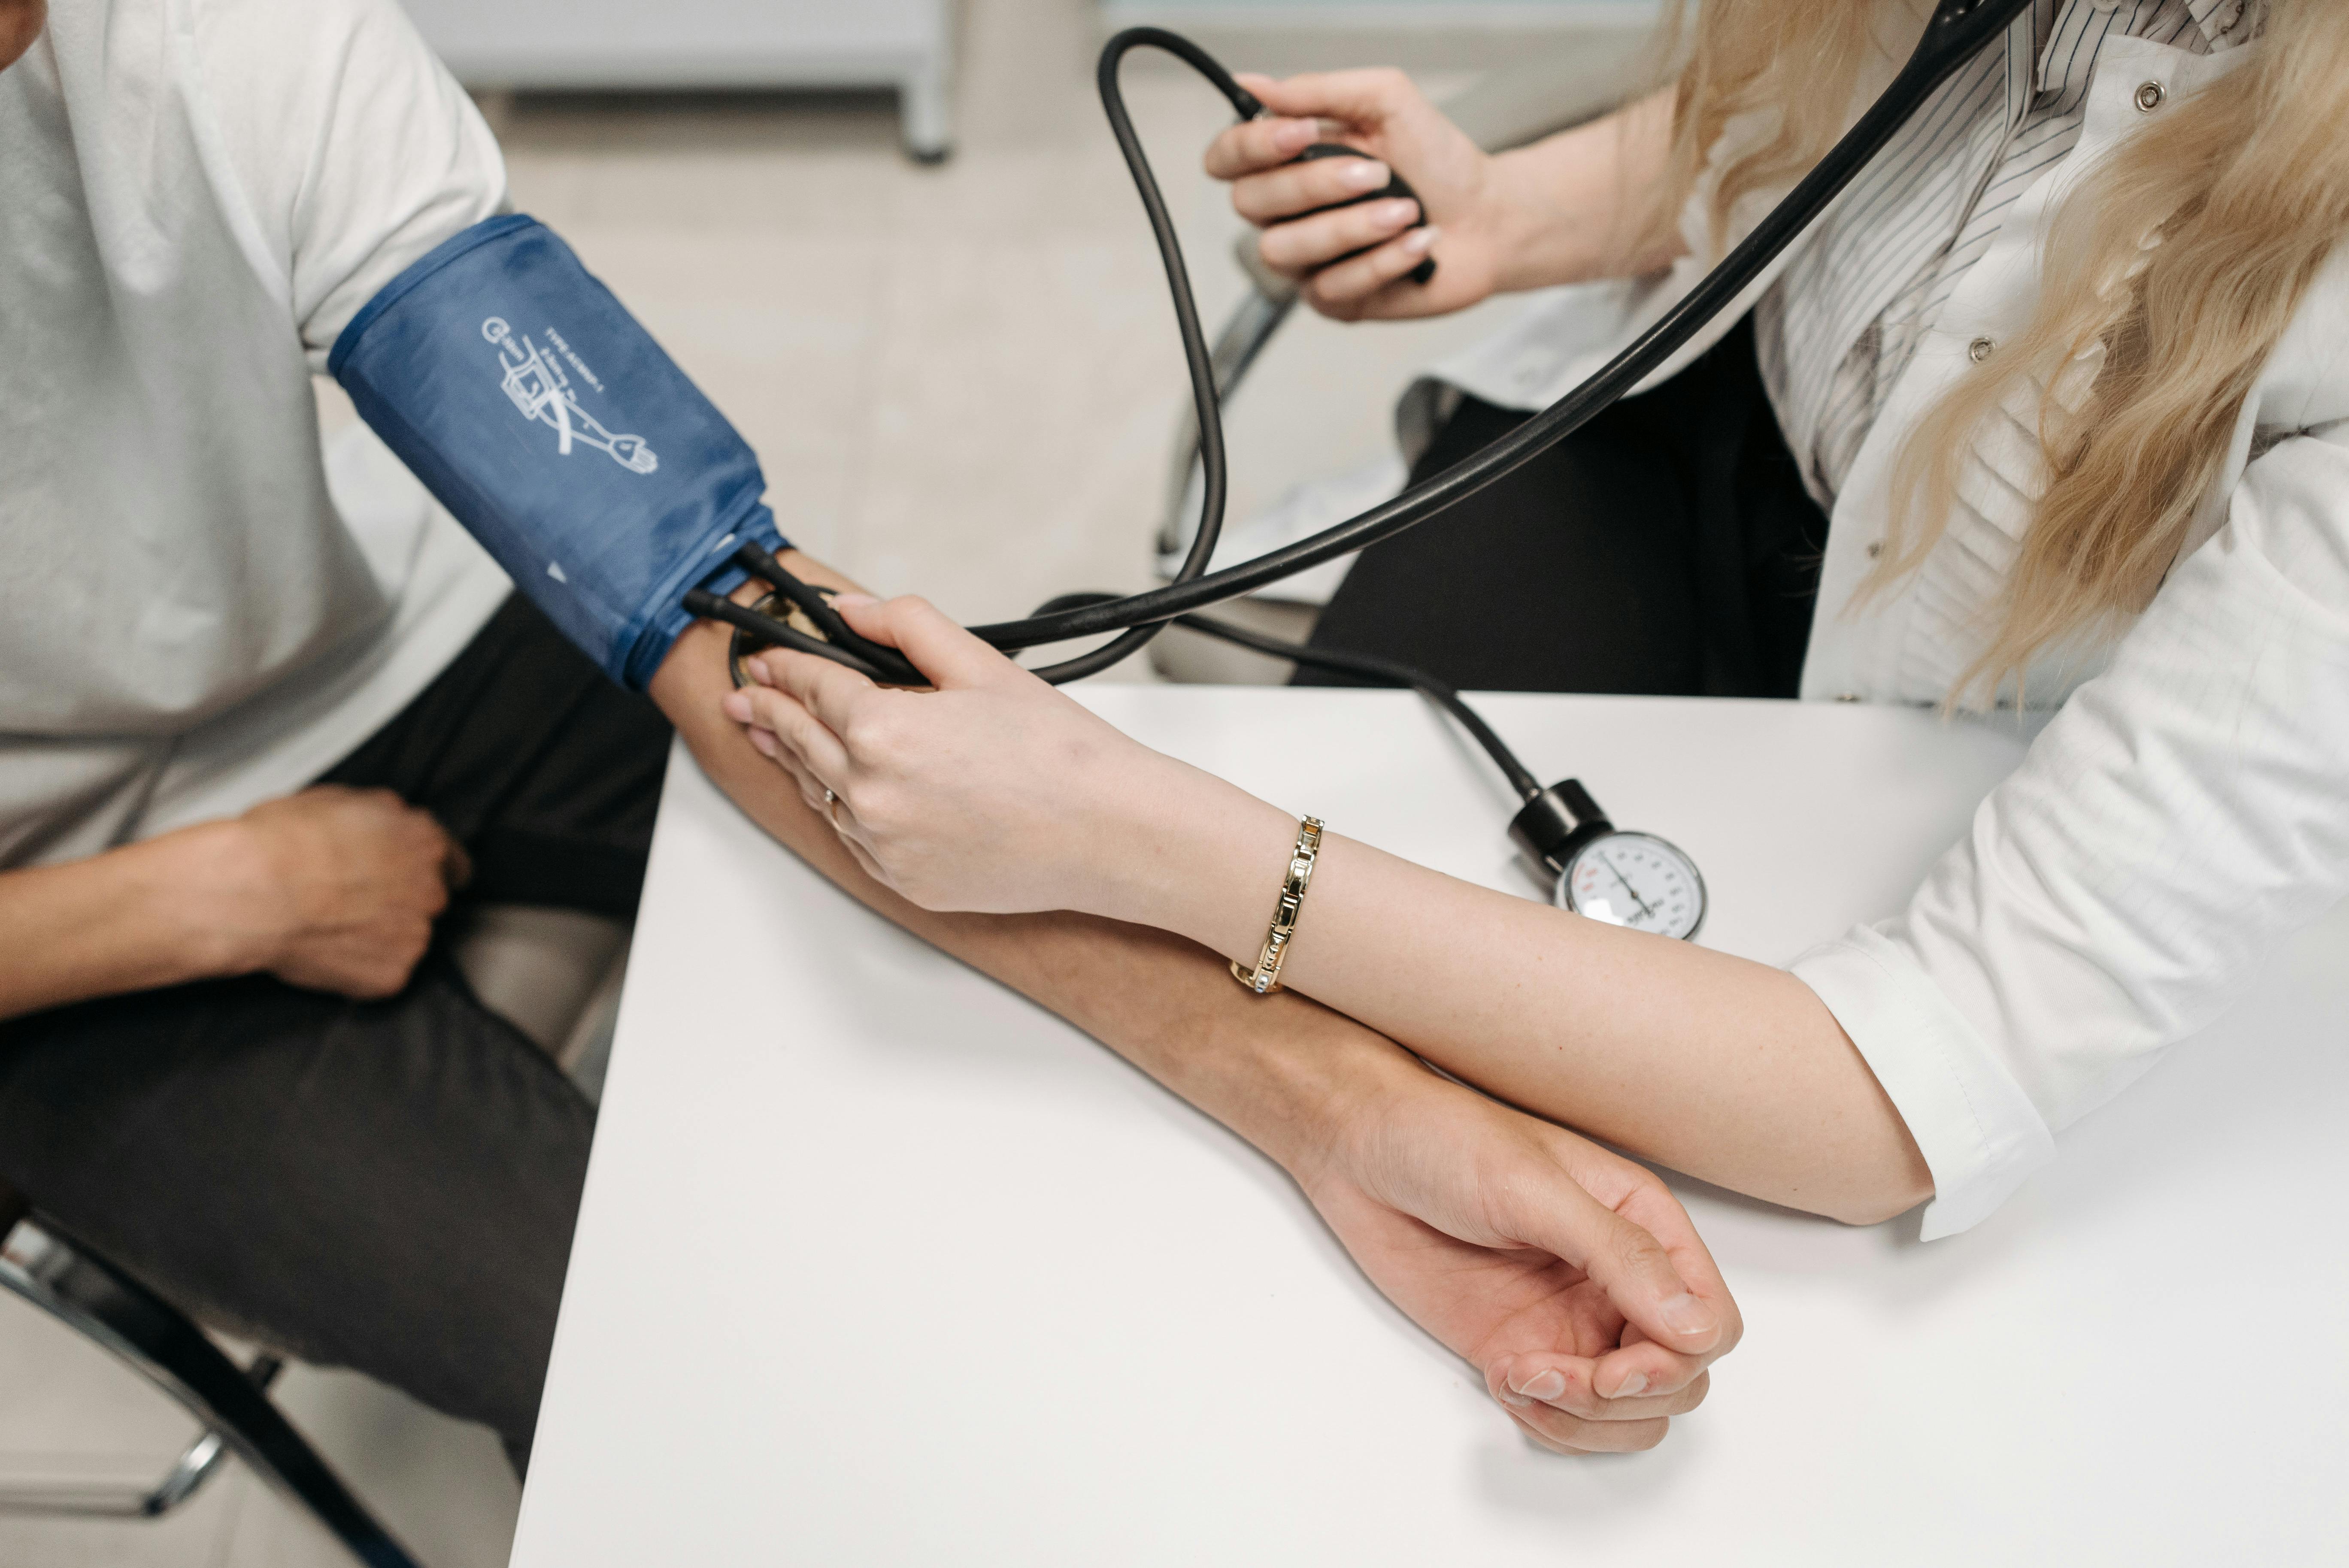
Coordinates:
(553, 427)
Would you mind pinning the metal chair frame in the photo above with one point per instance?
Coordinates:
(82, 1290)
(503, 953)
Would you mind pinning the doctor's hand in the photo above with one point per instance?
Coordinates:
(993, 793)
(1570, 1277)
(1464, 224)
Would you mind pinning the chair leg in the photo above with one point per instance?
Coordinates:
(162, 1345)
(925, 112)
(197, 1464)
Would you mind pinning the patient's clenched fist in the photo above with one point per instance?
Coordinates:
(333, 889)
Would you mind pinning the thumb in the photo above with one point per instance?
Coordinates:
(1629, 1263)
(938, 647)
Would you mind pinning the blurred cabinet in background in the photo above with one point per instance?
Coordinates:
(1283, 36)
(906, 45)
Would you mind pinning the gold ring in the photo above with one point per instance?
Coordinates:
(832, 807)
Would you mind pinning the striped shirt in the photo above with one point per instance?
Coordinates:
(1840, 327)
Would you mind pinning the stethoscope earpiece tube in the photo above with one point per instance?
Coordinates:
(1958, 30)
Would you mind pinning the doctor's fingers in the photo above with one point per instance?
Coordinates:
(764, 742)
(939, 647)
(814, 745)
(1365, 286)
(1303, 245)
(1363, 100)
(833, 693)
(1259, 144)
(1298, 188)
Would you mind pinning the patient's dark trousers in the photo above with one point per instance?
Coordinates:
(387, 1185)
(1667, 547)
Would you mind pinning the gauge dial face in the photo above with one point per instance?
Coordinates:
(1636, 879)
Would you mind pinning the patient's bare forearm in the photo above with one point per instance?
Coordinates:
(123, 921)
(1277, 1070)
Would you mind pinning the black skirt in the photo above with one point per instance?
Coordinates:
(1667, 548)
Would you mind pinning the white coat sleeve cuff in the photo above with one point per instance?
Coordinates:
(1979, 1133)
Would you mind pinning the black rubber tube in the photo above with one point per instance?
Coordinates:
(1959, 30)
(1368, 667)
(1215, 474)
(1386, 672)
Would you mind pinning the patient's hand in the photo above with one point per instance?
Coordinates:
(1570, 1277)
(1546, 1262)
(332, 889)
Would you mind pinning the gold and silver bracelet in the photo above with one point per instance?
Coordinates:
(1264, 978)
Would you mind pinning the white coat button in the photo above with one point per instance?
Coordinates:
(2151, 95)
(1981, 348)
(1875, 549)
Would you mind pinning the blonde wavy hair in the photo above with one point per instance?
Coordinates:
(2170, 272)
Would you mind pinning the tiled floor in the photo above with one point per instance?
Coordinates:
(963, 380)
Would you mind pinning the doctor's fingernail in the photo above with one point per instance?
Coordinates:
(1421, 240)
(764, 741)
(1294, 135)
(1637, 1383)
(1363, 174)
(1548, 1385)
(1511, 1397)
(735, 706)
(757, 668)
(1684, 1314)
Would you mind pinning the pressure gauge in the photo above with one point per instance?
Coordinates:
(1636, 879)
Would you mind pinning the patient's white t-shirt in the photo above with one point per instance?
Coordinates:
(200, 607)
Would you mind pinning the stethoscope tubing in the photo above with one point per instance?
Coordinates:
(1959, 30)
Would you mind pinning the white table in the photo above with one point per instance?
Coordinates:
(879, 1264)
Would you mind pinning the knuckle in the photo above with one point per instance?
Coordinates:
(1638, 1252)
(875, 733)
